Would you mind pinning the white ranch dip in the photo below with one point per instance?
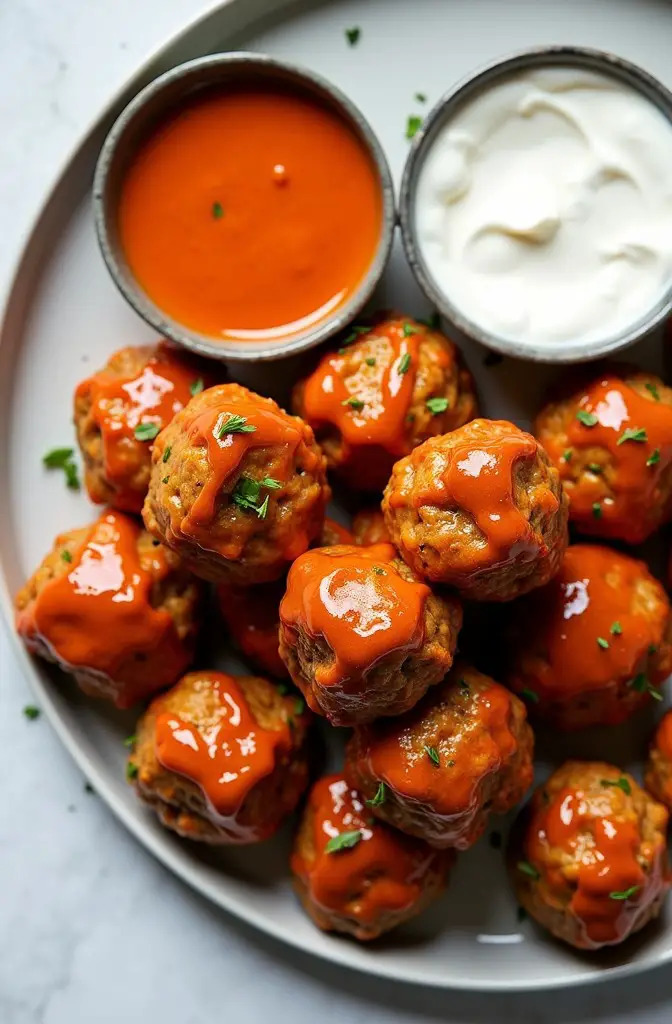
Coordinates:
(543, 209)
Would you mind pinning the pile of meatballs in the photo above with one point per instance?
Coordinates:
(373, 627)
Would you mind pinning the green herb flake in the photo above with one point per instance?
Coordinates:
(57, 458)
(626, 894)
(197, 386)
(370, 361)
(633, 434)
(131, 771)
(234, 424)
(31, 712)
(166, 453)
(601, 642)
(217, 211)
(437, 405)
(404, 363)
(130, 741)
(651, 649)
(146, 431)
(282, 689)
(165, 479)
(593, 467)
(409, 329)
(71, 476)
(530, 695)
(353, 35)
(651, 387)
(66, 556)
(451, 764)
(271, 483)
(299, 706)
(420, 97)
(379, 798)
(526, 868)
(433, 755)
(343, 841)
(378, 571)
(621, 783)
(355, 403)
(263, 508)
(567, 455)
(413, 125)
(247, 494)
(589, 419)
(615, 628)
(642, 685)
(597, 510)
(654, 457)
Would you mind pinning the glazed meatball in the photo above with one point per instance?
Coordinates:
(360, 635)
(354, 874)
(611, 441)
(252, 616)
(334, 533)
(480, 509)
(591, 646)
(221, 759)
(368, 526)
(112, 607)
(238, 487)
(120, 409)
(463, 752)
(391, 386)
(588, 855)
(658, 778)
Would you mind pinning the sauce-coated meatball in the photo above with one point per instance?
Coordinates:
(355, 875)
(112, 607)
(238, 486)
(360, 635)
(612, 444)
(393, 385)
(588, 855)
(480, 509)
(658, 778)
(368, 526)
(120, 409)
(590, 647)
(220, 758)
(463, 752)
(252, 616)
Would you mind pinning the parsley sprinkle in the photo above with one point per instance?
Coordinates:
(66, 556)
(589, 419)
(282, 689)
(413, 126)
(632, 435)
(263, 508)
(248, 492)
(299, 706)
(146, 431)
(233, 425)
(131, 770)
(409, 329)
(451, 764)
(625, 895)
(355, 403)
(378, 571)
(129, 741)
(651, 387)
(197, 386)
(31, 712)
(433, 755)
(654, 457)
(57, 458)
(615, 628)
(567, 455)
(597, 510)
(621, 783)
(530, 695)
(642, 685)
(593, 467)
(71, 476)
(379, 798)
(370, 361)
(437, 405)
(217, 211)
(352, 35)
(404, 363)
(166, 453)
(651, 649)
(420, 97)
(526, 868)
(165, 480)
(343, 841)
(601, 642)
(271, 483)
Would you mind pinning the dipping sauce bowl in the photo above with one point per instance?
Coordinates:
(244, 207)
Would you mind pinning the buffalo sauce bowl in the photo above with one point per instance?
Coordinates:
(244, 207)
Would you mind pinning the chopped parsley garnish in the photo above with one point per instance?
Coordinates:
(378, 571)
(597, 510)
(616, 628)
(282, 689)
(217, 211)
(129, 741)
(589, 419)
(355, 403)
(593, 467)
(271, 483)
(654, 457)
(404, 363)
(247, 495)
(233, 425)
(379, 797)
(131, 770)
(651, 649)
(420, 97)
(567, 455)
(31, 712)
(451, 764)
(495, 839)
(437, 405)
(530, 695)
(299, 706)
(621, 783)
(433, 755)
(493, 359)
(633, 435)
(166, 453)
(66, 556)
(601, 642)
(197, 386)
(370, 361)
(413, 125)
(355, 333)
(165, 479)
(526, 868)
(343, 841)
(352, 35)
(63, 458)
(642, 685)
(651, 387)
(146, 431)
(625, 894)
(409, 329)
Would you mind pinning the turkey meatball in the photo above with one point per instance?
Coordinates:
(658, 778)
(238, 487)
(588, 855)
(480, 509)
(440, 770)
(356, 875)
(114, 608)
(360, 635)
(221, 759)
(391, 386)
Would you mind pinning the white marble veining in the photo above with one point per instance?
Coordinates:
(92, 929)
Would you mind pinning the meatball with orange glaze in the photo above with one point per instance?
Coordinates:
(591, 647)
(252, 616)
(360, 635)
(480, 509)
(355, 875)
(392, 385)
(114, 608)
(120, 410)
(221, 759)
(437, 772)
(368, 526)
(658, 777)
(611, 441)
(238, 486)
(588, 855)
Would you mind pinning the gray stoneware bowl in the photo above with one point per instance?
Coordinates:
(148, 109)
(546, 56)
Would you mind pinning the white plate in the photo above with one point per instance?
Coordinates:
(64, 317)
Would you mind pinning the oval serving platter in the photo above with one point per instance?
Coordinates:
(64, 317)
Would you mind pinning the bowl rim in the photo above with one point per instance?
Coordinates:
(601, 61)
(125, 280)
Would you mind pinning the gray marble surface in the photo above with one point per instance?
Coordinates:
(92, 930)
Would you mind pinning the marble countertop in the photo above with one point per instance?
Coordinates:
(92, 929)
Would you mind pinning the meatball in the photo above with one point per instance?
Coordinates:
(221, 759)
(394, 384)
(354, 874)
(368, 526)
(588, 855)
(658, 778)
(120, 409)
(480, 509)
(591, 646)
(252, 616)
(334, 533)
(238, 487)
(360, 635)
(612, 444)
(112, 607)
(439, 771)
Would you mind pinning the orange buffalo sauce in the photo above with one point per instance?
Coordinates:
(355, 600)
(382, 874)
(227, 755)
(251, 214)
